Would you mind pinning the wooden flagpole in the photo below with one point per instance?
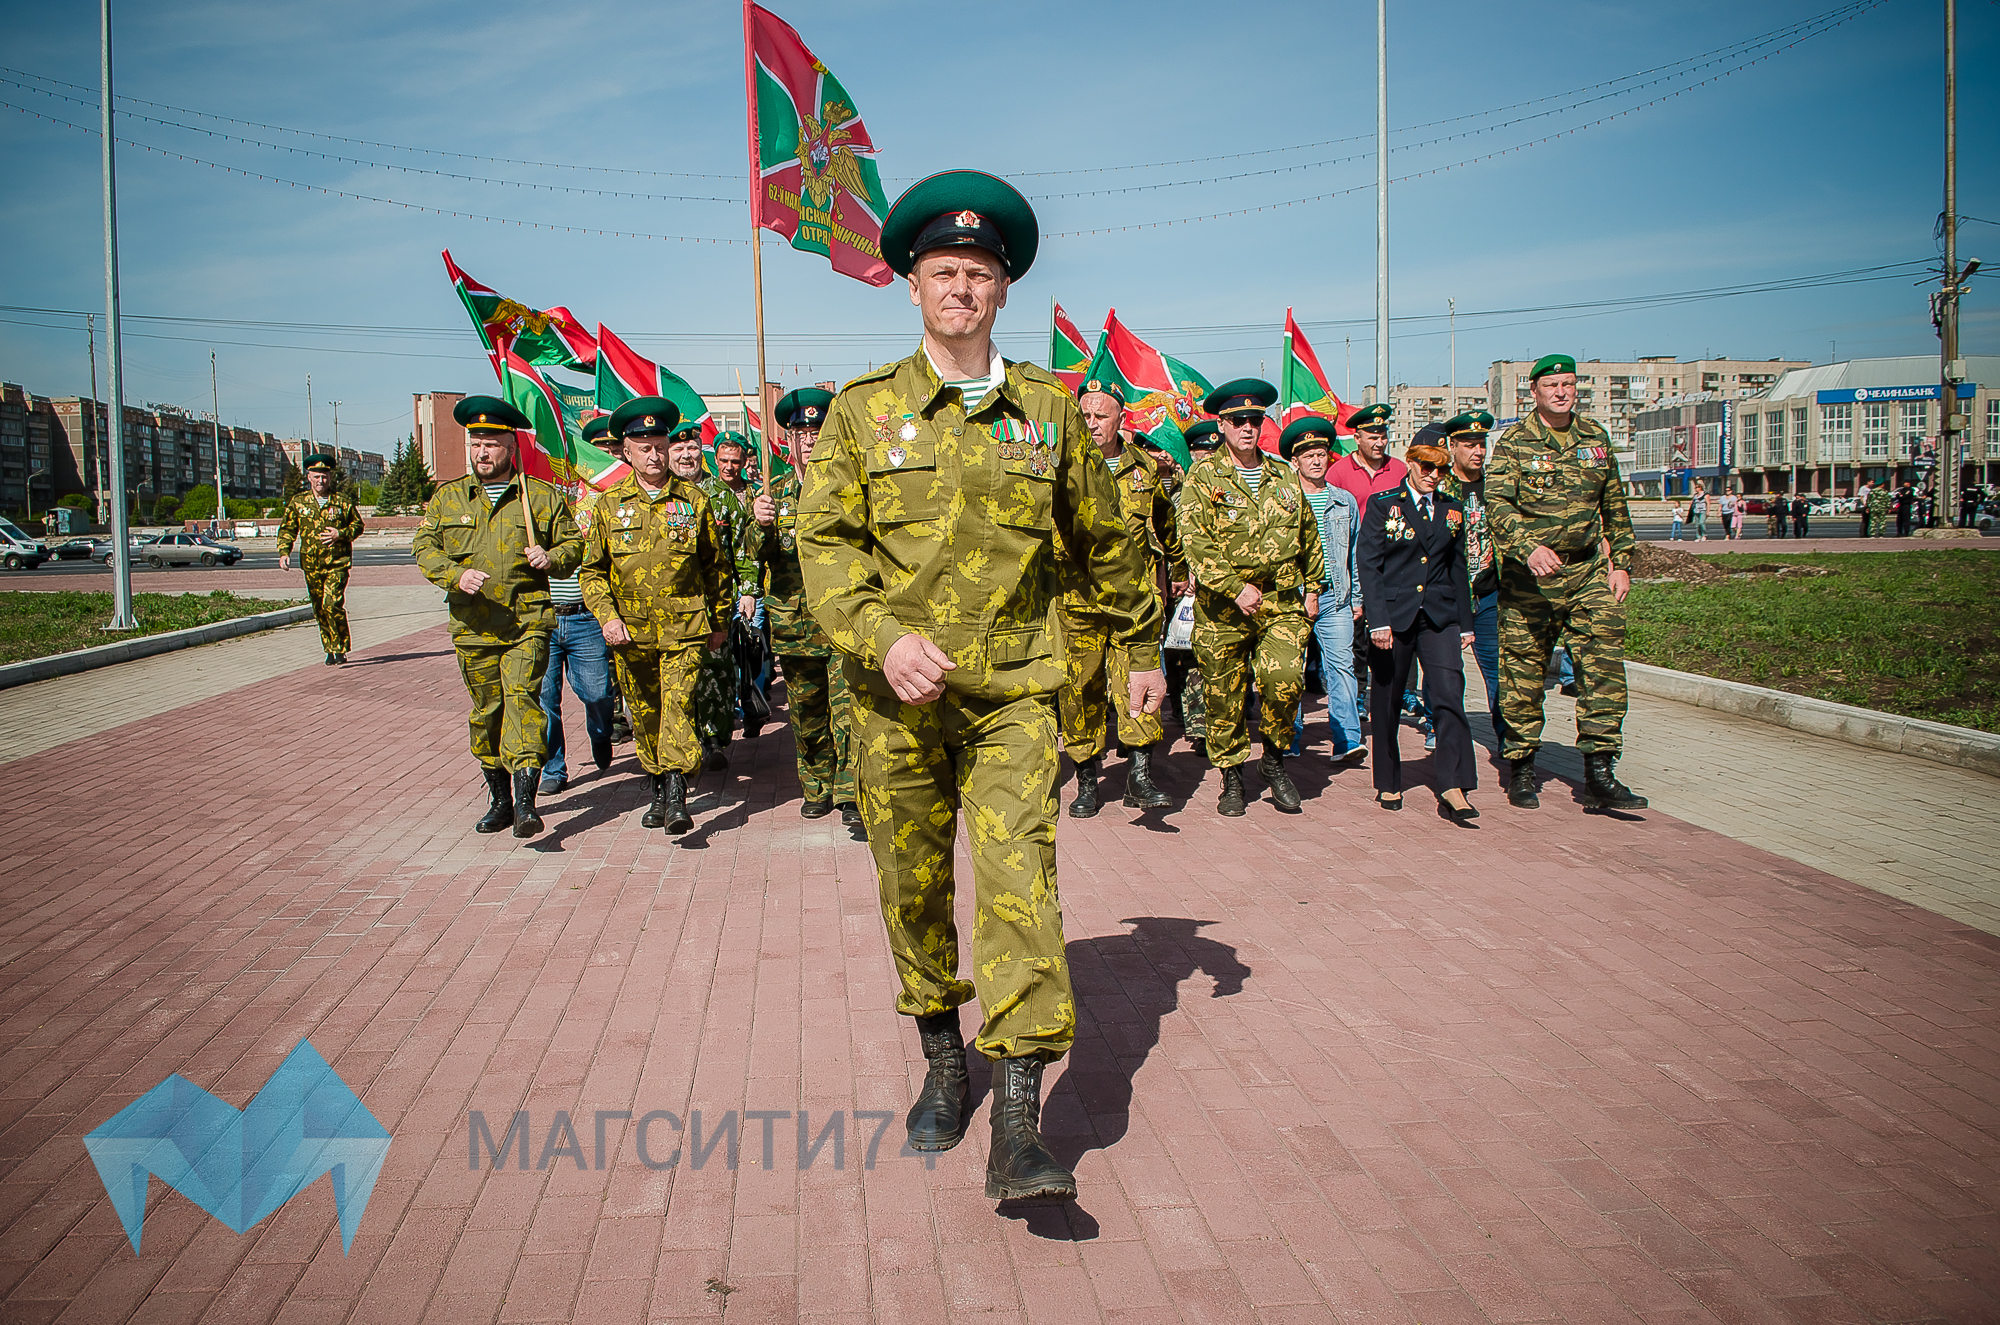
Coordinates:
(762, 450)
(756, 246)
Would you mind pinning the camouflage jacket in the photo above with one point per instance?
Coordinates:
(1482, 570)
(464, 530)
(732, 532)
(657, 564)
(966, 527)
(303, 519)
(1234, 538)
(793, 631)
(1558, 492)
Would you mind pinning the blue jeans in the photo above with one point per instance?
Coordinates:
(1334, 629)
(578, 648)
(1486, 650)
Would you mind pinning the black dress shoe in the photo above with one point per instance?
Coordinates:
(1382, 799)
(850, 816)
(816, 809)
(1456, 814)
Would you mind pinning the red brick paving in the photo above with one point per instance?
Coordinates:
(1339, 1066)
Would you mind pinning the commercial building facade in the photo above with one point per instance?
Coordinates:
(1824, 428)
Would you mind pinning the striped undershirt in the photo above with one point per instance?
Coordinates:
(568, 589)
(973, 390)
(1251, 477)
(1319, 501)
(495, 491)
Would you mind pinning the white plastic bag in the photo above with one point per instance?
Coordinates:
(1180, 630)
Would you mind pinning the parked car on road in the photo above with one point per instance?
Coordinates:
(17, 550)
(135, 545)
(73, 549)
(188, 550)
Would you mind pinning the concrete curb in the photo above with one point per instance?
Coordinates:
(145, 646)
(1961, 747)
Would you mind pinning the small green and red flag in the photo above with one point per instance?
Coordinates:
(810, 155)
(1069, 357)
(554, 449)
(544, 338)
(1162, 395)
(1303, 388)
(623, 373)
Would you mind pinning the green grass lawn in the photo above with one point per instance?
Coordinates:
(35, 625)
(1914, 633)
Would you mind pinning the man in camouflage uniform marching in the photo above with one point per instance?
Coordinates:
(1254, 546)
(1093, 666)
(474, 543)
(655, 578)
(1183, 677)
(815, 682)
(950, 499)
(325, 524)
(1564, 538)
(715, 690)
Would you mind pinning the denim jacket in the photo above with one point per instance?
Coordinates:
(1340, 537)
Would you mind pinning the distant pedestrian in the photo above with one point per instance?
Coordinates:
(324, 523)
(1698, 513)
(1676, 509)
(1799, 512)
(1732, 516)
(1774, 515)
(1968, 503)
(1876, 523)
(1905, 505)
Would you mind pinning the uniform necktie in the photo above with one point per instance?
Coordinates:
(1427, 510)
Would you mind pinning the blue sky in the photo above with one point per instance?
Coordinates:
(1824, 157)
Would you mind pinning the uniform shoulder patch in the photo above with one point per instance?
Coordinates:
(880, 374)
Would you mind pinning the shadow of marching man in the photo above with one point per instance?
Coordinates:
(1127, 985)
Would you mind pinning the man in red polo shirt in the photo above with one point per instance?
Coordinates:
(1370, 468)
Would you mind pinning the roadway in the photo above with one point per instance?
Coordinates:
(252, 560)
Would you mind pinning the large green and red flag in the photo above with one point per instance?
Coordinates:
(1069, 358)
(1303, 388)
(623, 373)
(545, 338)
(1162, 395)
(553, 449)
(810, 156)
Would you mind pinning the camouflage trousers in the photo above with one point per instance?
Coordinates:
(1094, 665)
(1575, 606)
(658, 686)
(328, 591)
(505, 682)
(822, 717)
(715, 696)
(918, 766)
(1231, 649)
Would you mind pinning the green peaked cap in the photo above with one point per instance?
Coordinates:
(957, 208)
(489, 414)
(1299, 429)
(642, 416)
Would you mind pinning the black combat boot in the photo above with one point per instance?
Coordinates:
(1283, 794)
(656, 813)
(526, 822)
(1601, 788)
(1232, 803)
(675, 809)
(937, 1120)
(850, 817)
(1140, 793)
(816, 807)
(1018, 1166)
(500, 814)
(1085, 804)
(1521, 785)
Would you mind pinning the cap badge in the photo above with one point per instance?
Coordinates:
(646, 422)
(812, 411)
(1093, 385)
(969, 220)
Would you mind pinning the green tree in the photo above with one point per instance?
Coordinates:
(407, 483)
(294, 482)
(78, 501)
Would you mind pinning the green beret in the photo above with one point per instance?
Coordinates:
(489, 414)
(961, 208)
(723, 439)
(1242, 394)
(1477, 420)
(803, 408)
(596, 428)
(644, 416)
(1205, 435)
(1304, 430)
(687, 432)
(1370, 416)
(322, 461)
(1099, 387)
(1551, 363)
